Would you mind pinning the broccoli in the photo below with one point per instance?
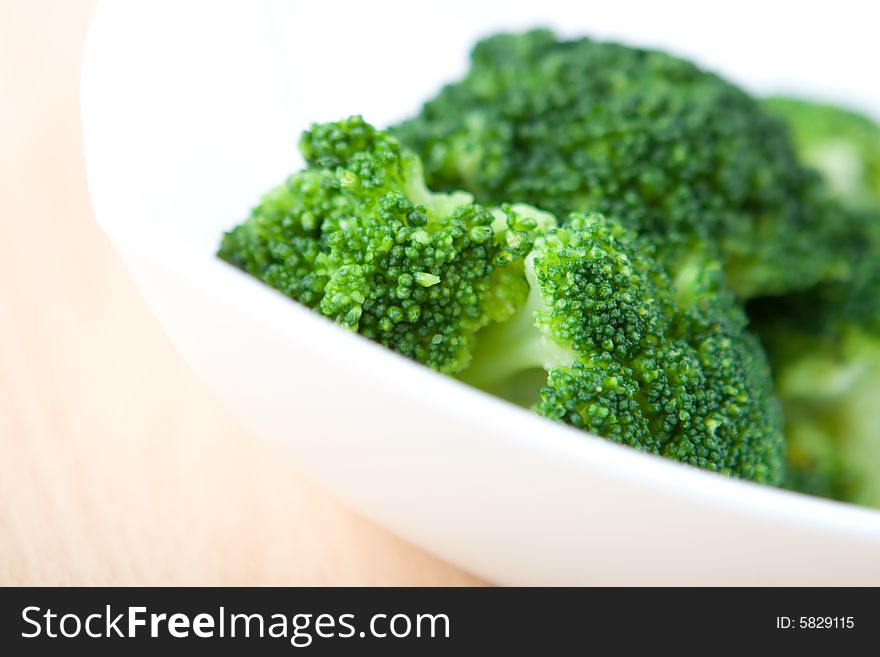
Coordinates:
(843, 145)
(357, 236)
(607, 342)
(824, 343)
(674, 152)
(581, 323)
(824, 348)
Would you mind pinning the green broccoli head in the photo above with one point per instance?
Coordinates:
(843, 145)
(358, 237)
(282, 239)
(580, 322)
(607, 342)
(674, 152)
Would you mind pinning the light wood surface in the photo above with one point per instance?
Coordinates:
(116, 465)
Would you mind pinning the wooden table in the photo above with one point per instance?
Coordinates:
(116, 465)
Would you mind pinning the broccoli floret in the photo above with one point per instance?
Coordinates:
(582, 323)
(357, 236)
(674, 152)
(824, 343)
(281, 241)
(824, 348)
(843, 145)
(607, 342)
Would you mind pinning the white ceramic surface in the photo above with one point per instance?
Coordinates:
(191, 110)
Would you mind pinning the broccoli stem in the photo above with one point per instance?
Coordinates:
(505, 350)
(436, 204)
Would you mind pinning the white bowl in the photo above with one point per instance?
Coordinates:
(190, 111)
